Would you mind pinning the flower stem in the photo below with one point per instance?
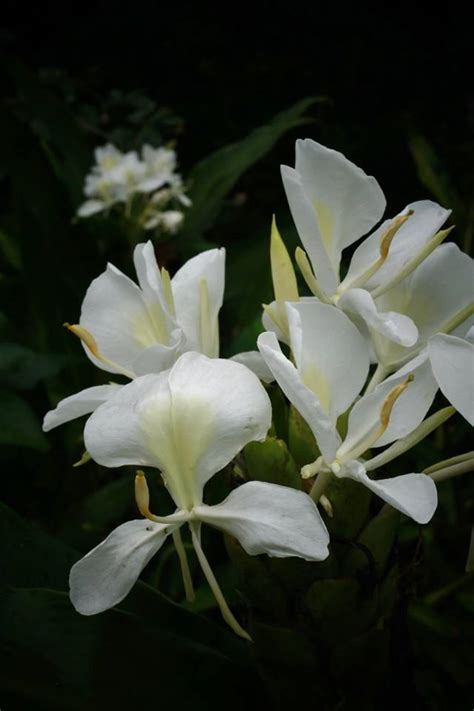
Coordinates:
(214, 585)
(322, 480)
(185, 571)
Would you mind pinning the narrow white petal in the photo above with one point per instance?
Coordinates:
(115, 313)
(253, 361)
(413, 494)
(209, 268)
(321, 338)
(91, 207)
(305, 219)
(189, 422)
(345, 198)
(105, 576)
(149, 276)
(422, 225)
(394, 326)
(270, 325)
(82, 403)
(299, 395)
(271, 519)
(452, 361)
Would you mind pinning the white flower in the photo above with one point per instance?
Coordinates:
(333, 204)
(332, 362)
(159, 164)
(190, 422)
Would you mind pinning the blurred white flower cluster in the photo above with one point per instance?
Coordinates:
(120, 178)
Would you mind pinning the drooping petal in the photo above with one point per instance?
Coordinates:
(115, 313)
(253, 361)
(105, 576)
(394, 326)
(189, 422)
(321, 338)
(348, 203)
(198, 291)
(81, 403)
(413, 494)
(422, 225)
(452, 361)
(305, 219)
(408, 410)
(299, 395)
(271, 519)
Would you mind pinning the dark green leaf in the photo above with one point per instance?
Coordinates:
(19, 426)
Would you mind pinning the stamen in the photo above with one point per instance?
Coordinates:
(209, 335)
(142, 497)
(302, 261)
(384, 249)
(86, 457)
(89, 341)
(283, 274)
(167, 290)
(377, 431)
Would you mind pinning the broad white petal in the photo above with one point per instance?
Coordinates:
(413, 494)
(189, 422)
(253, 361)
(115, 313)
(394, 326)
(271, 519)
(305, 219)
(321, 338)
(199, 323)
(82, 403)
(408, 410)
(412, 236)
(452, 361)
(440, 288)
(348, 202)
(105, 576)
(299, 395)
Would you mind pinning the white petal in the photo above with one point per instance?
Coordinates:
(106, 575)
(408, 410)
(115, 313)
(425, 222)
(394, 326)
(253, 361)
(270, 325)
(452, 361)
(305, 219)
(157, 358)
(297, 393)
(149, 276)
(413, 494)
(348, 202)
(189, 422)
(440, 288)
(82, 403)
(321, 338)
(271, 519)
(91, 207)
(208, 267)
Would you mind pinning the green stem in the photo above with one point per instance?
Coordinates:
(321, 482)
(185, 571)
(214, 585)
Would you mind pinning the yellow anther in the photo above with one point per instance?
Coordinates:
(389, 234)
(390, 400)
(86, 337)
(142, 495)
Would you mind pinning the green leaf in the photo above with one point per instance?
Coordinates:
(22, 368)
(19, 425)
(350, 504)
(214, 176)
(301, 441)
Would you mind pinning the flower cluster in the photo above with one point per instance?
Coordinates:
(117, 177)
(374, 347)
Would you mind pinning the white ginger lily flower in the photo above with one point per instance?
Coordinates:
(332, 362)
(160, 164)
(437, 297)
(133, 330)
(333, 204)
(190, 422)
